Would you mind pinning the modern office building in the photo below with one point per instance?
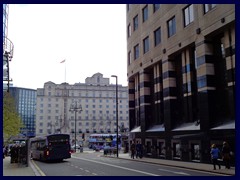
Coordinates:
(8, 48)
(181, 73)
(95, 101)
(25, 101)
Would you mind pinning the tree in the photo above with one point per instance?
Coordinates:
(11, 119)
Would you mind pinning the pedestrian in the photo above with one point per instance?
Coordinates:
(3, 152)
(14, 154)
(6, 151)
(226, 154)
(133, 150)
(214, 156)
(138, 149)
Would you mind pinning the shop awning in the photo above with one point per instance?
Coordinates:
(137, 129)
(230, 125)
(190, 136)
(156, 128)
(187, 127)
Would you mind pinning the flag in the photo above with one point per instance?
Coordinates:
(62, 61)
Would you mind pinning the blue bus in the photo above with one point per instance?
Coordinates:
(98, 141)
(50, 147)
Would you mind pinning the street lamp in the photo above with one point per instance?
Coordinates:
(75, 108)
(116, 108)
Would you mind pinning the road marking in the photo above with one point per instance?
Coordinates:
(94, 174)
(87, 171)
(129, 169)
(38, 169)
(182, 173)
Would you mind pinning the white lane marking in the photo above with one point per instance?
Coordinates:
(129, 169)
(87, 171)
(182, 173)
(38, 169)
(81, 168)
(94, 174)
(76, 166)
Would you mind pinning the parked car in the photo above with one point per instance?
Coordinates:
(73, 147)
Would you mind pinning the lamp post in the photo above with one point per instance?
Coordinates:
(116, 108)
(75, 108)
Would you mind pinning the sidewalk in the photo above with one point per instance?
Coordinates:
(180, 164)
(15, 169)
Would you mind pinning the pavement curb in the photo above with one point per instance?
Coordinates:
(36, 169)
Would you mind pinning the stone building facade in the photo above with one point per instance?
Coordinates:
(97, 99)
(181, 73)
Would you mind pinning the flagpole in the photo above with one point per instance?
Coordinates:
(65, 71)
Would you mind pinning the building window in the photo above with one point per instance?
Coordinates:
(188, 15)
(171, 27)
(129, 58)
(136, 51)
(161, 150)
(156, 7)
(176, 150)
(195, 151)
(208, 7)
(135, 23)
(157, 36)
(145, 13)
(129, 30)
(146, 45)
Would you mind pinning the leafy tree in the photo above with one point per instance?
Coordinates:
(11, 119)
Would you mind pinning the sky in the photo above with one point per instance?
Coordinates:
(90, 38)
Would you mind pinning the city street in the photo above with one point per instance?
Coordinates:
(94, 164)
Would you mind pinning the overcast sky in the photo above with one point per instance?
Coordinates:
(92, 39)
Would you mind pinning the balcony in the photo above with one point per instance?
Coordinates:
(8, 48)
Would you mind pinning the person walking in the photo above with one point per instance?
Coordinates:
(3, 152)
(133, 149)
(226, 154)
(214, 156)
(138, 150)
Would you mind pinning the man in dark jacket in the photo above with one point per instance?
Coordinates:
(226, 154)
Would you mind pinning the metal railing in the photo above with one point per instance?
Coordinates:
(8, 48)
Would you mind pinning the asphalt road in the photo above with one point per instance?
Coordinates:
(93, 164)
